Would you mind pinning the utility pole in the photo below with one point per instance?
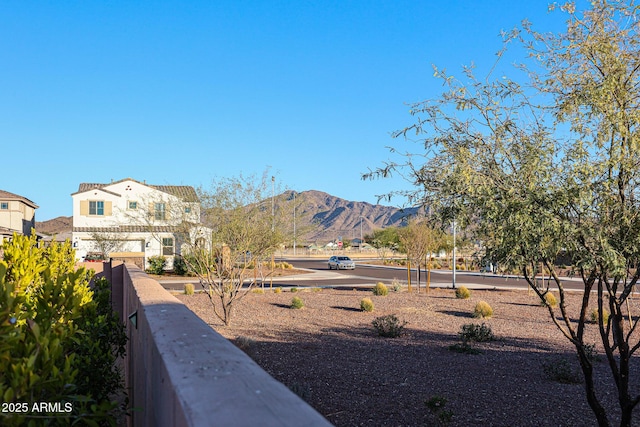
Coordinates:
(294, 223)
(360, 245)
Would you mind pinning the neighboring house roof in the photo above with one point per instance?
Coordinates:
(5, 195)
(184, 192)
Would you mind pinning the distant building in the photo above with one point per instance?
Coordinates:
(17, 214)
(135, 219)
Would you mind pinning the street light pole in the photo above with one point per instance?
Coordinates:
(294, 223)
(273, 206)
(360, 245)
(453, 277)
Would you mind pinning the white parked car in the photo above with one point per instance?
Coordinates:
(341, 263)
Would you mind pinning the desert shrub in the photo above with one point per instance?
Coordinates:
(302, 390)
(277, 290)
(316, 289)
(562, 372)
(591, 352)
(157, 264)
(464, 347)
(297, 303)
(189, 289)
(294, 289)
(436, 406)
(483, 310)
(389, 326)
(595, 313)
(257, 291)
(550, 300)
(380, 289)
(476, 333)
(463, 292)
(395, 285)
(246, 344)
(366, 304)
(179, 266)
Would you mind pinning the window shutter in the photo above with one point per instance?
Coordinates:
(107, 208)
(84, 207)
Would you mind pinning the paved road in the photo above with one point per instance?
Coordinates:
(368, 275)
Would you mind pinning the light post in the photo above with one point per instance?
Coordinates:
(453, 277)
(294, 223)
(360, 245)
(273, 206)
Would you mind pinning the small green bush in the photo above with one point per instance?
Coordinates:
(179, 266)
(380, 289)
(316, 289)
(562, 372)
(595, 313)
(189, 289)
(463, 292)
(395, 285)
(294, 289)
(277, 290)
(257, 291)
(366, 304)
(483, 310)
(464, 347)
(476, 333)
(246, 344)
(550, 300)
(297, 303)
(436, 406)
(157, 264)
(389, 326)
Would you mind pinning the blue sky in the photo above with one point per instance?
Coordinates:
(187, 92)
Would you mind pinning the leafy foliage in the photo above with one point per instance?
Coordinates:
(297, 303)
(380, 289)
(58, 338)
(244, 232)
(462, 292)
(546, 163)
(483, 310)
(157, 264)
(366, 305)
(476, 333)
(389, 326)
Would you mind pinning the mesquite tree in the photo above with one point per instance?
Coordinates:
(245, 231)
(549, 164)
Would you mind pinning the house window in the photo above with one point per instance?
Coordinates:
(96, 207)
(167, 246)
(187, 209)
(4, 206)
(133, 205)
(159, 211)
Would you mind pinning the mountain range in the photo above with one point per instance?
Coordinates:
(323, 217)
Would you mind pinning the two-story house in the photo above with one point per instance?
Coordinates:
(17, 214)
(135, 218)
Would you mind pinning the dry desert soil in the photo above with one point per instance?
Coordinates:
(330, 354)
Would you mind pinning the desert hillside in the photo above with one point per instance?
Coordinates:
(320, 216)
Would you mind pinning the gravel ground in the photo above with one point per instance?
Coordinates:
(330, 354)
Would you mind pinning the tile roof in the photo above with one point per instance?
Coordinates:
(5, 195)
(184, 192)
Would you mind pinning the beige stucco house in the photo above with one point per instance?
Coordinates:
(17, 214)
(134, 218)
